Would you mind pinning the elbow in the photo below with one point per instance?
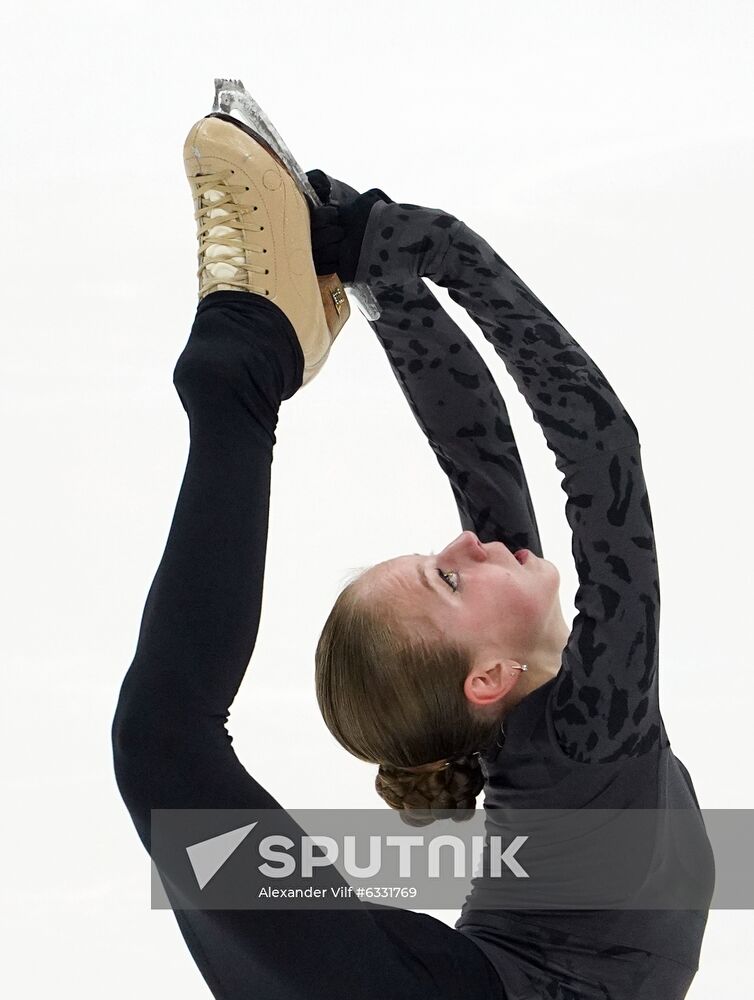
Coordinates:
(632, 428)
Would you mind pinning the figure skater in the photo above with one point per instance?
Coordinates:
(454, 672)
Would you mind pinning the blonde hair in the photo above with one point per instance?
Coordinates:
(397, 700)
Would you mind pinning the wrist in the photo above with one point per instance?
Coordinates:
(354, 218)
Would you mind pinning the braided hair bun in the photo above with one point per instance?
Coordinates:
(424, 795)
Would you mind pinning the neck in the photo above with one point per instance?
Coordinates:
(543, 659)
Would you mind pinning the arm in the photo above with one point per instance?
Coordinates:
(605, 700)
(459, 408)
(454, 400)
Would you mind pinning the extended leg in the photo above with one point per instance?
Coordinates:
(171, 748)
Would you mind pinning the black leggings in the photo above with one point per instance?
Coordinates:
(171, 748)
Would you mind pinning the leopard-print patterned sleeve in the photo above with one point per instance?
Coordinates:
(457, 405)
(460, 410)
(605, 700)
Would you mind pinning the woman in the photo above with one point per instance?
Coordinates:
(451, 671)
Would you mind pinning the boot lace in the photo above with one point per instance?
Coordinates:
(223, 246)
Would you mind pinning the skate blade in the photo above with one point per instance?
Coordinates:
(234, 100)
(231, 96)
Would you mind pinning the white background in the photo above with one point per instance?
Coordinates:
(604, 149)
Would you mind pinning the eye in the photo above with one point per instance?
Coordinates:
(451, 578)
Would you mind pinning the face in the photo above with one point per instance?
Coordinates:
(479, 594)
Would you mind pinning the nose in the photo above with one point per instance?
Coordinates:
(467, 546)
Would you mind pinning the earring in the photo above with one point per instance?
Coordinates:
(522, 667)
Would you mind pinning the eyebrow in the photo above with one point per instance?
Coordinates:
(423, 577)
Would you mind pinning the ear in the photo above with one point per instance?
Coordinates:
(490, 681)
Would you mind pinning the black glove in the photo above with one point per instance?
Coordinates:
(321, 184)
(327, 238)
(338, 230)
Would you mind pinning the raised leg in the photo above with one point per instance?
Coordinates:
(170, 745)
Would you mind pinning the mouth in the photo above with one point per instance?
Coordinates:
(521, 555)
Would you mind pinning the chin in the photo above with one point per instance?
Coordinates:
(553, 574)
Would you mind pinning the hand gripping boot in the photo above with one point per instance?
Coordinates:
(263, 244)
